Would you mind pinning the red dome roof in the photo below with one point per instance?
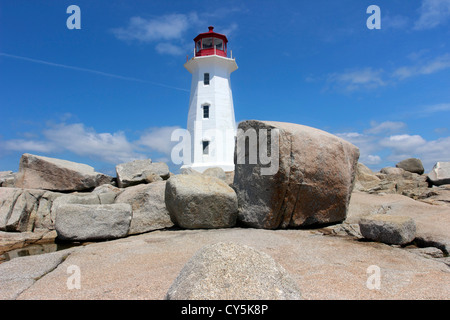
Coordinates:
(210, 43)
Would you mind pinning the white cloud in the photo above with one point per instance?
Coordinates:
(434, 151)
(167, 27)
(366, 78)
(158, 139)
(386, 127)
(438, 107)
(402, 146)
(76, 138)
(30, 145)
(379, 147)
(369, 78)
(367, 144)
(370, 159)
(423, 68)
(112, 148)
(230, 30)
(167, 31)
(433, 13)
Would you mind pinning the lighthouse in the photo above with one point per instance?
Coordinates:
(211, 121)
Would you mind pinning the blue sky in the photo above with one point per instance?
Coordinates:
(114, 90)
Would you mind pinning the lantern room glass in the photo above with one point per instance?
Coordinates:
(218, 43)
(207, 43)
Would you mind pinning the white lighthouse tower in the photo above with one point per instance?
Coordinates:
(211, 122)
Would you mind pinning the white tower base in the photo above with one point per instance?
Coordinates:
(211, 121)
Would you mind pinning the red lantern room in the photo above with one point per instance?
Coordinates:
(210, 43)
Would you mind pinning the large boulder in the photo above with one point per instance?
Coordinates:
(388, 229)
(83, 222)
(26, 209)
(140, 171)
(440, 174)
(198, 201)
(37, 172)
(7, 178)
(413, 165)
(314, 181)
(229, 271)
(365, 178)
(20, 273)
(149, 208)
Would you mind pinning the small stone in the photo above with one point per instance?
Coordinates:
(140, 171)
(413, 165)
(388, 229)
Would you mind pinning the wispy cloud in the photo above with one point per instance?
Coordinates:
(101, 73)
(167, 27)
(437, 108)
(167, 31)
(423, 67)
(230, 30)
(433, 13)
(158, 139)
(386, 127)
(172, 49)
(370, 78)
(366, 78)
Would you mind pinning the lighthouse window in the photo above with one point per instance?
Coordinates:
(206, 79)
(207, 43)
(205, 147)
(199, 45)
(206, 112)
(218, 44)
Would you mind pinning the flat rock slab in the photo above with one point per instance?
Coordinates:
(20, 273)
(432, 221)
(324, 267)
